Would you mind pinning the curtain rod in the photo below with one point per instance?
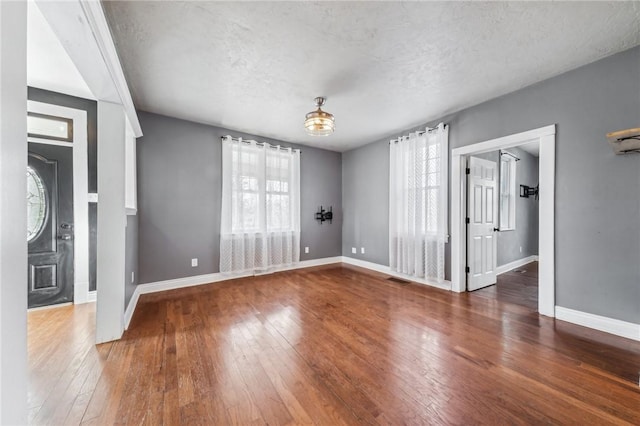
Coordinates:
(248, 141)
(508, 153)
(421, 132)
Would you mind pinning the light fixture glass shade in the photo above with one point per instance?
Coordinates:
(319, 122)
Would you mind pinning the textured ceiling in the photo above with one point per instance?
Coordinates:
(383, 66)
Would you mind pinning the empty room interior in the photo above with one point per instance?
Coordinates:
(319, 213)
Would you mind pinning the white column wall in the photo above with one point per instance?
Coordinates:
(13, 213)
(112, 222)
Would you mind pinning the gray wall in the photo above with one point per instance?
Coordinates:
(179, 196)
(597, 193)
(365, 202)
(131, 258)
(525, 234)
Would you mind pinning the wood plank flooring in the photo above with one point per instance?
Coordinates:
(518, 286)
(328, 346)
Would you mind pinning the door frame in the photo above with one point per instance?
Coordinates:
(81, 293)
(546, 136)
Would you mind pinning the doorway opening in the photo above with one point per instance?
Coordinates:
(467, 242)
(57, 206)
(502, 229)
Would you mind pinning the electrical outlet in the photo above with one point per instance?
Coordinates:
(133, 277)
(362, 250)
(306, 249)
(354, 250)
(194, 262)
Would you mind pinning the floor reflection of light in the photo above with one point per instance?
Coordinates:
(425, 348)
(284, 320)
(287, 320)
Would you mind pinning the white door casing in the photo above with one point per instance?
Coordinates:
(80, 190)
(546, 243)
(482, 207)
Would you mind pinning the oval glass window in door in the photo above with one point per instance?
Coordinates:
(36, 204)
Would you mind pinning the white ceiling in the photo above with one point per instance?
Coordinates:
(48, 64)
(383, 66)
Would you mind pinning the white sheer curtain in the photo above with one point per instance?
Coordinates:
(418, 203)
(260, 226)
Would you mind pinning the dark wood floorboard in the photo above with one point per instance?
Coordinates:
(328, 346)
(518, 286)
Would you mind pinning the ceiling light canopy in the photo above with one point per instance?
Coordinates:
(319, 122)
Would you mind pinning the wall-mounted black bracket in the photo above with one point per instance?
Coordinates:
(323, 215)
(528, 191)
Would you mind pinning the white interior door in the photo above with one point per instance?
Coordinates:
(482, 206)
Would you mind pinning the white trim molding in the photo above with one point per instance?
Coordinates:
(516, 264)
(546, 246)
(444, 285)
(597, 322)
(102, 34)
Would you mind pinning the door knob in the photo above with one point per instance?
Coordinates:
(65, 237)
(496, 229)
(66, 226)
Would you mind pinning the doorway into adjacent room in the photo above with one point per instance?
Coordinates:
(493, 205)
(502, 224)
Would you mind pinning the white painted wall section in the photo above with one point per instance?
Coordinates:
(13, 213)
(112, 222)
(131, 180)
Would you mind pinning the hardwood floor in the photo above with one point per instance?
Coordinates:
(518, 286)
(328, 346)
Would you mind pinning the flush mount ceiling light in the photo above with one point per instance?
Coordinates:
(318, 122)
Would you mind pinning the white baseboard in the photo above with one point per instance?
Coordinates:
(157, 286)
(92, 296)
(597, 322)
(515, 264)
(445, 285)
(131, 307)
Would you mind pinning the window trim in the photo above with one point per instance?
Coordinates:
(511, 194)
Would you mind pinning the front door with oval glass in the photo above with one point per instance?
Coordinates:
(50, 224)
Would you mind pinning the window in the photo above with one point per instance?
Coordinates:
(260, 206)
(49, 127)
(248, 192)
(418, 203)
(507, 193)
(36, 204)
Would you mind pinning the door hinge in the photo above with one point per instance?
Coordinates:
(468, 221)
(468, 171)
(467, 269)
